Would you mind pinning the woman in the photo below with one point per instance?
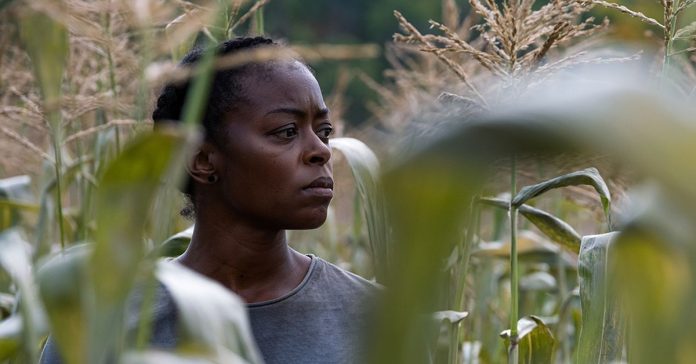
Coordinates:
(264, 167)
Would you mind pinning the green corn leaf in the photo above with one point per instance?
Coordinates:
(15, 258)
(427, 203)
(212, 317)
(46, 42)
(536, 342)
(653, 271)
(7, 305)
(450, 316)
(14, 194)
(602, 333)
(366, 172)
(126, 193)
(62, 281)
(589, 176)
(10, 336)
(556, 229)
(176, 244)
(158, 357)
(531, 248)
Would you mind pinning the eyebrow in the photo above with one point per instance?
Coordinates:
(297, 112)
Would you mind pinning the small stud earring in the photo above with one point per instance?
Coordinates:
(212, 178)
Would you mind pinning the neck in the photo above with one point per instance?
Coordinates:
(257, 264)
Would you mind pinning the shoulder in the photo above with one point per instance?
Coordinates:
(338, 279)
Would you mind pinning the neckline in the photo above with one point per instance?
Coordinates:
(303, 283)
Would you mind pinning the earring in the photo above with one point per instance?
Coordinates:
(212, 178)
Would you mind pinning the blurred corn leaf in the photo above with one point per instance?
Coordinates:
(10, 336)
(603, 325)
(536, 342)
(365, 168)
(531, 247)
(450, 316)
(538, 281)
(15, 197)
(46, 42)
(213, 318)
(556, 229)
(15, 258)
(654, 270)
(176, 244)
(126, 192)
(426, 202)
(62, 281)
(449, 169)
(157, 357)
(589, 176)
(7, 305)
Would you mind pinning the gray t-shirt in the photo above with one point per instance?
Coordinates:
(322, 320)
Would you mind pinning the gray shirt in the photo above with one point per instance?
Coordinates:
(322, 320)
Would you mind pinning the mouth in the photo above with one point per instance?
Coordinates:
(320, 187)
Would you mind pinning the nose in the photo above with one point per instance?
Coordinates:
(316, 151)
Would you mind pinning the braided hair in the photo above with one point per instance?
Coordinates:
(225, 94)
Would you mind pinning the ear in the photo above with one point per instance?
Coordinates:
(200, 166)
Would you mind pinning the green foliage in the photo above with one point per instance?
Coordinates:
(588, 176)
(62, 281)
(15, 259)
(226, 337)
(365, 168)
(556, 229)
(536, 342)
(603, 325)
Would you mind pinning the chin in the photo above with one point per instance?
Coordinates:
(310, 221)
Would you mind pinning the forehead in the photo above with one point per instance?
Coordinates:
(281, 82)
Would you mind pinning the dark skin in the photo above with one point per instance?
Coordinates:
(273, 173)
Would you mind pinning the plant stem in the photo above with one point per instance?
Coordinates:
(56, 141)
(259, 21)
(670, 21)
(514, 269)
(112, 72)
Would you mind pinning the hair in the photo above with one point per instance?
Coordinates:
(226, 93)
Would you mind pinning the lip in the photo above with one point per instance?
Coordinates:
(320, 187)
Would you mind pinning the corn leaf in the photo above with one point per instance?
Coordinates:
(126, 193)
(589, 176)
(602, 334)
(157, 357)
(450, 316)
(427, 203)
(10, 336)
(213, 317)
(176, 244)
(556, 229)
(15, 258)
(46, 42)
(531, 247)
(14, 194)
(653, 272)
(536, 342)
(62, 281)
(366, 171)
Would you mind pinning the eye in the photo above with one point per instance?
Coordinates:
(286, 133)
(324, 132)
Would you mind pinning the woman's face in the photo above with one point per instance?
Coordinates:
(274, 165)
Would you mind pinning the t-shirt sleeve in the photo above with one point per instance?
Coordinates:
(50, 354)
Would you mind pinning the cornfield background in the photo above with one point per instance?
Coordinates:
(535, 203)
